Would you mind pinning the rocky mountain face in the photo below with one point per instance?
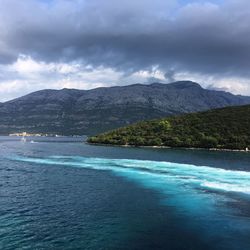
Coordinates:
(71, 111)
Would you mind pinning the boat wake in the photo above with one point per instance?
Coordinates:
(203, 199)
(151, 173)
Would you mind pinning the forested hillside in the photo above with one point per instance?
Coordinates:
(226, 128)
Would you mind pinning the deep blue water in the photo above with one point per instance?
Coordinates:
(59, 193)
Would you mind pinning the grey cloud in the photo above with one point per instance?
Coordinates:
(170, 75)
(130, 36)
(153, 80)
(214, 87)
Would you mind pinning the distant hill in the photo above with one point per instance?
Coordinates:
(226, 128)
(71, 111)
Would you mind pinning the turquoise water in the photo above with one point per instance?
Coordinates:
(59, 193)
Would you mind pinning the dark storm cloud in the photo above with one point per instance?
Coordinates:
(204, 38)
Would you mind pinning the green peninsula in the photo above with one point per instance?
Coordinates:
(225, 128)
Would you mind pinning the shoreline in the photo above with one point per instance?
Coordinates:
(167, 147)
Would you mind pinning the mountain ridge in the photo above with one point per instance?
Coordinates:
(157, 84)
(73, 111)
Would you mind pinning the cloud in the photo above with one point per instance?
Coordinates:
(170, 76)
(214, 87)
(53, 42)
(27, 74)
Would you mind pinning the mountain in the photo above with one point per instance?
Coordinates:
(226, 128)
(71, 111)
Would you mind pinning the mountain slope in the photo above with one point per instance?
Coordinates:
(226, 128)
(71, 111)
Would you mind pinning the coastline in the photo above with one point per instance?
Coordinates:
(167, 147)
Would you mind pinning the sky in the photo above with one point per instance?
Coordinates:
(86, 44)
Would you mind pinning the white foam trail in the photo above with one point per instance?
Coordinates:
(227, 187)
(187, 175)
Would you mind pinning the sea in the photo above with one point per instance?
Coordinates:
(62, 193)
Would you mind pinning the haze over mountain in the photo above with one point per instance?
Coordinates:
(71, 111)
